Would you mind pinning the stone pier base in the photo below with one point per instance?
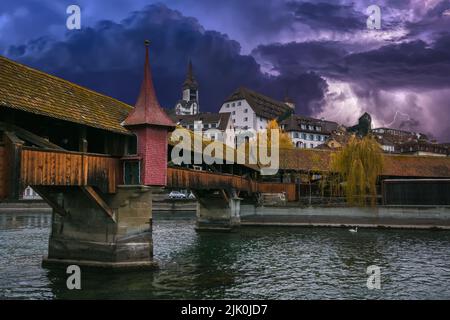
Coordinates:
(218, 212)
(109, 231)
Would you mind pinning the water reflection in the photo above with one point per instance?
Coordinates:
(277, 263)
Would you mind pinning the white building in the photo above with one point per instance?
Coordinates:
(251, 111)
(215, 126)
(308, 132)
(188, 105)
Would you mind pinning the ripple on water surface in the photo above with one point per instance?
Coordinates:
(278, 263)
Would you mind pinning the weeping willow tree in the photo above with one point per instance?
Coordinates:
(357, 167)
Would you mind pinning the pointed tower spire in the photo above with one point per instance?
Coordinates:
(147, 110)
(190, 82)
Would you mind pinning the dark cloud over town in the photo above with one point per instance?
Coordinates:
(320, 52)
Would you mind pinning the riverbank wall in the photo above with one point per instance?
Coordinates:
(23, 206)
(410, 217)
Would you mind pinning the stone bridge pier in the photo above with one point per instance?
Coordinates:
(100, 230)
(218, 210)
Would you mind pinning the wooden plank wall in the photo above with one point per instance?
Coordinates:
(4, 191)
(192, 179)
(62, 168)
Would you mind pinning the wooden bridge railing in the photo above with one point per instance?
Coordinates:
(193, 179)
(41, 167)
(64, 168)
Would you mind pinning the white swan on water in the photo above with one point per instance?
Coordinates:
(354, 230)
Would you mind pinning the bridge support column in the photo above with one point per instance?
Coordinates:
(218, 211)
(112, 231)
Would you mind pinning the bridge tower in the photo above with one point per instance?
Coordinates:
(94, 228)
(150, 124)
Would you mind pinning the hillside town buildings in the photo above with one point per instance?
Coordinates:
(246, 112)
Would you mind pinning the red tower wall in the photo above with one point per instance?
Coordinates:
(152, 147)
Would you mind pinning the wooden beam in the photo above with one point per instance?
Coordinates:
(29, 136)
(224, 195)
(94, 196)
(53, 203)
(82, 140)
(14, 152)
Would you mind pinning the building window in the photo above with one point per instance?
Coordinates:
(214, 125)
(304, 136)
(234, 104)
(245, 119)
(234, 112)
(228, 105)
(311, 137)
(318, 128)
(295, 135)
(303, 127)
(239, 103)
(311, 145)
(310, 128)
(234, 120)
(245, 110)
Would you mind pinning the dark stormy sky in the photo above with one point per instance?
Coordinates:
(321, 52)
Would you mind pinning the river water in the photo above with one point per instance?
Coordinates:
(254, 263)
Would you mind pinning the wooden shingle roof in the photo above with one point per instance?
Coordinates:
(394, 165)
(30, 90)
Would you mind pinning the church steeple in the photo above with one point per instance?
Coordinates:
(189, 102)
(190, 82)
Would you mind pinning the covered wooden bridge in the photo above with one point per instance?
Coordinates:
(97, 160)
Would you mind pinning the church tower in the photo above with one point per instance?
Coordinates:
(189, 103)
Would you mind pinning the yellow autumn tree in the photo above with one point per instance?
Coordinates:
(285, 141)
(358, 166)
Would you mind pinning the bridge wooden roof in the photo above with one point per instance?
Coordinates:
(30, 90)
(394, 165)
